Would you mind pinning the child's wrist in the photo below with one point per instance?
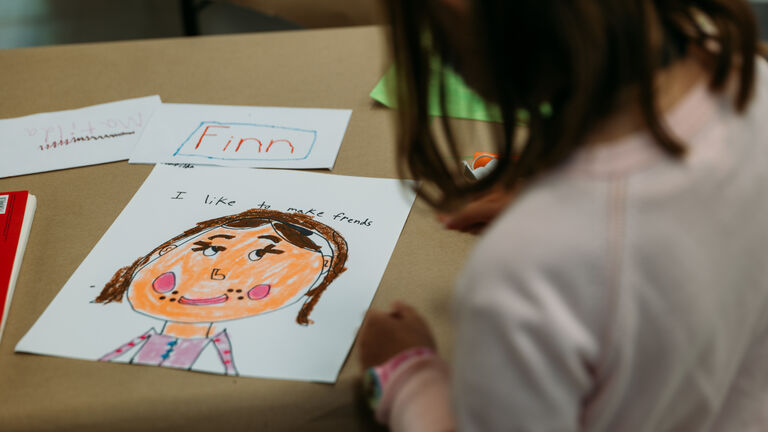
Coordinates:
(377, 380)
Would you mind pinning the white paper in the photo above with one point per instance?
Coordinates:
(79, 137)
(241, 136)
(368, 213)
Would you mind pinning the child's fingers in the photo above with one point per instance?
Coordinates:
(373, 314)
(407, 313)
(478, 213)
(400, 314)
(402, 309)
(373, 319)
(463, 218)
(444, 218)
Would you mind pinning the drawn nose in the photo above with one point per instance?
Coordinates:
(216, 274)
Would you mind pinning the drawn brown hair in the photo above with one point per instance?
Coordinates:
(294, 227)
(564, 63)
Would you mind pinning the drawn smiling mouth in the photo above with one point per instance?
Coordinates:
(203, 301)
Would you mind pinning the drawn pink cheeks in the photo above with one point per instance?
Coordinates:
(259, 292)
(164, 283)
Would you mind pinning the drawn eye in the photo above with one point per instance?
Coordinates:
(258, 254)
(211, 251)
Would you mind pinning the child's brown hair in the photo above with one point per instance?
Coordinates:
(573, 58)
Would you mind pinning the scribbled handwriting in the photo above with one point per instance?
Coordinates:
(58, 134)
(68, 141)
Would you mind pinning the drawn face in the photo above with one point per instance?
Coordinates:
(225, 274)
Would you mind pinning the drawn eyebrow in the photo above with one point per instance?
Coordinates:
(224, 236)
(272, 238)
(203, 245)
(268, 249)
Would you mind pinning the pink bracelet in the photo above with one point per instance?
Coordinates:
(376, 378)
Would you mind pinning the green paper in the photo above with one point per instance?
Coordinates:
(460, 102)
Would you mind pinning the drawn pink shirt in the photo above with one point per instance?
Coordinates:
(162, 350)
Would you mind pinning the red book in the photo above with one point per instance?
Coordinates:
(16, 212)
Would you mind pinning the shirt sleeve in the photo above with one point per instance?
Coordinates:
(418, 399)
(524, 353)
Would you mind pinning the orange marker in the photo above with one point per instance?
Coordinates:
(481, 159)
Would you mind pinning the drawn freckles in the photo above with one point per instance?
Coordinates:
(167, 281)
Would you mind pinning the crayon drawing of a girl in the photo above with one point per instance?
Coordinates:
(224, 269)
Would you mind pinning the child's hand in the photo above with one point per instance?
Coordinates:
(475, 216)
(386, 334)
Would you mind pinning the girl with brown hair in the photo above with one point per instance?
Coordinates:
(621, 283)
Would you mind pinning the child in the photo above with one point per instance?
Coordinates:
(624, 286)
